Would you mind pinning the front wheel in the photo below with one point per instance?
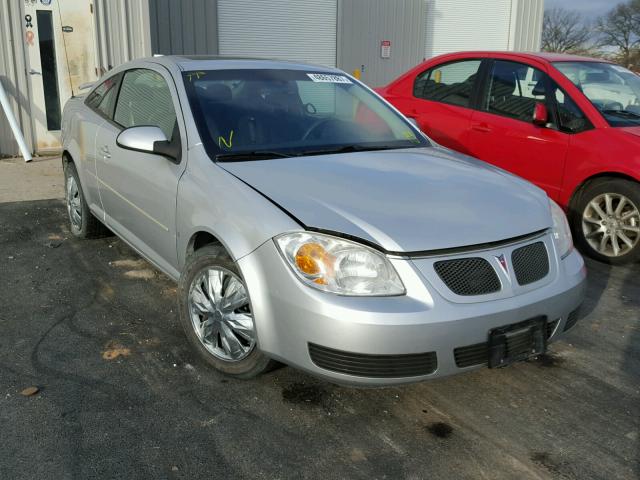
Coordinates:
(606, 220)
(216, 315)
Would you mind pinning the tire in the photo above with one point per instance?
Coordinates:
(244, 361)
(590, 224)
(81, 221)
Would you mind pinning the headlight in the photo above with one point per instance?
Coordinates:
(339, 266)
(561, 230)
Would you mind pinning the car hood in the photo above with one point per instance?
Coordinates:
(632, 130)
(403, 200)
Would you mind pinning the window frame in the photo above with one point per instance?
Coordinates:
(550, 101)
(115, 106)
(473, 97)
(484, 92)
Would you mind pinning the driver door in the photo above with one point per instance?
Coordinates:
(139, 189)
(502, 131)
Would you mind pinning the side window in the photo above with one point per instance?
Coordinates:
(514, 89)
(450, 83)
(145, 100)
(570, 117)
(103, 98)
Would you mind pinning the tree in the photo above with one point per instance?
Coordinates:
(620, 28)
(564, 31)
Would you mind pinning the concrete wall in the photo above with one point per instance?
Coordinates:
(13, 75)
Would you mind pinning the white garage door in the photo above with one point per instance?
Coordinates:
(454, 25)
(285, 29)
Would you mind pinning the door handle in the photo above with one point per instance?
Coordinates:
(105, 152)
(34, 72)
(481, 127)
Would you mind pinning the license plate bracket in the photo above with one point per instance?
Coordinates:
(517, 342)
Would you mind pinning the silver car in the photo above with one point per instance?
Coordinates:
(308, 222)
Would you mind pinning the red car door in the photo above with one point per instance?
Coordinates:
(502, 131)
(440, 99)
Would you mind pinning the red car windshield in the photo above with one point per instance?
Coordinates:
(614, 90)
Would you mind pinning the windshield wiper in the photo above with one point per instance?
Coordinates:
(622, 113)
(352, 148)
(251, 155)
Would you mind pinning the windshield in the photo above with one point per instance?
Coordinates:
(614, 90)
(253, 114)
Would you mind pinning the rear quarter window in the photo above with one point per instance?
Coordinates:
(103, 99)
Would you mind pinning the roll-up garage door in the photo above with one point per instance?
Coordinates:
(285, 29)
(453, 25)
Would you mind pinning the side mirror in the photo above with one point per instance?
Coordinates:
(146, 140)
(540, 115)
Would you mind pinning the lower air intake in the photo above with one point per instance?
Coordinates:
(373, 366)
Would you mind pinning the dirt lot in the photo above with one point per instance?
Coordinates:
(122, 396)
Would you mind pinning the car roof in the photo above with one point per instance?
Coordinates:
(214, 62)
(547, 57)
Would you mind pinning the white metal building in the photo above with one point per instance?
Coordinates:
(48, 48)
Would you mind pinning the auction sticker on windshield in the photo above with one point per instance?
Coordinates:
(326, 78)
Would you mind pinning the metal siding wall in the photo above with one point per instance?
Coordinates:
(189, 27)
(363, 24)
(122, 31)
(454, 25)
(285, 29)
(528, 25)
(13, 76)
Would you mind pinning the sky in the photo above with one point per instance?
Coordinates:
(588, 8)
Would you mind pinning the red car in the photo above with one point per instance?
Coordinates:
(569, 124)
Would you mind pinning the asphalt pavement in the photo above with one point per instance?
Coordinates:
(121, 395)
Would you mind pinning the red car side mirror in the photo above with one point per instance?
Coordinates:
(540, 114)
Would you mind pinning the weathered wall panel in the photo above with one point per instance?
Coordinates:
(189, 27)
(363, 24)
(526, 29)
(122, 31)
(13, 75)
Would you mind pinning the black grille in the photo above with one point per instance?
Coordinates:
(478, 354)
(374, 366)
(530, 263)
(468, 276)
(572, 319)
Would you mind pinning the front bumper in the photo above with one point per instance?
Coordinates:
(290, 316)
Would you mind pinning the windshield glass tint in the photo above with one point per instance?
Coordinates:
(291, 112)
(614, 90)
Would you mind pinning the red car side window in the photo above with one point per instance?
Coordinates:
(450, 83)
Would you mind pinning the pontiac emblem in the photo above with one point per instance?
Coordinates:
(503, 263)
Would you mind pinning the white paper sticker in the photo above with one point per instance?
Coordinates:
(328, 78)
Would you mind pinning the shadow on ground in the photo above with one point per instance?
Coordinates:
(122, 395)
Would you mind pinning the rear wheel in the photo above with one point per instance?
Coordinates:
(606, 220)
(81, 221)
(215, 312)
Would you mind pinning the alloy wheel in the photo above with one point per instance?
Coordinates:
(221, 314)
(611, 224)
(74, 203)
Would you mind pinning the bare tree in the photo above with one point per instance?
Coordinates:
(620, 28)
(564, 31)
